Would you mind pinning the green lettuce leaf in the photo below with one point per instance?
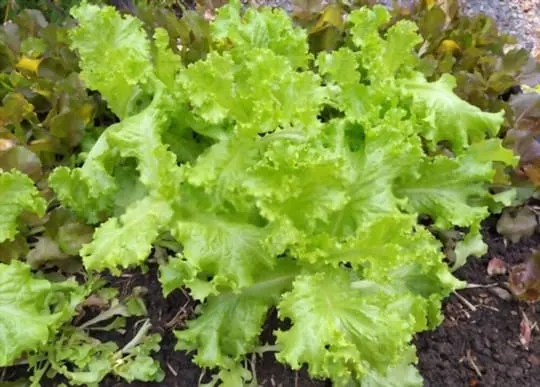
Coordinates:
(267, 174)
(92, 190)
(138, 364)
(259, 96)
(85, 360)
(376, 157)
(89, 190)
(138, 138)
(115, 56)
(384, 57)
(342, 332)
(449, 118)
(287, 178)
(31, 317)
(18, 195)
(403, 374)
(450, 189)
(269, 29)
(228, 324)
(127, 240)
(228, 248)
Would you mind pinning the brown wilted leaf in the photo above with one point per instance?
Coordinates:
(516, 223)
(525, 279)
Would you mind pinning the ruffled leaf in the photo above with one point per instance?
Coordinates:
(18, 195)
(447, 117)
(127, 240)
(342, 332)
(115, 56)
(270, 29)
(228, 324)
(30, 318)
(447, 188)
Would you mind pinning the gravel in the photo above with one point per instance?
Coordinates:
(520, 18)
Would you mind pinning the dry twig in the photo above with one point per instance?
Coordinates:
(466, 302)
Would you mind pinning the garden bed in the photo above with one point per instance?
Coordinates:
(478, 344)
(478, 347)
(237, 257)
(481, 347)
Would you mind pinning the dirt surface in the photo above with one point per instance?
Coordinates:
(477, 344)
(481, 347)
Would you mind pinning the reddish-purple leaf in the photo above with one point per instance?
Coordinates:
(525, 279)
(496, 267)
(525, 331)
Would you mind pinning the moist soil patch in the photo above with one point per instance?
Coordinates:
(477, 344)
(480, 345)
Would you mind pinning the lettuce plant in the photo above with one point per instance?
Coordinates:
(286, 180)
(36, 329)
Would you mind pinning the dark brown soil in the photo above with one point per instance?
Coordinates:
(475, 346)
(482, 347)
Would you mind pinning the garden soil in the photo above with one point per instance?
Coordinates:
(477, 345)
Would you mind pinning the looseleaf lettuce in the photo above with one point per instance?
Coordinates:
(288, 181)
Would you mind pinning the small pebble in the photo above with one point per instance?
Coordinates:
(501, 293)
(515, 372)
(534, 360)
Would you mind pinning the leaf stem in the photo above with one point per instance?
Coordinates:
(136, 340)
(118, 309)
(267, 348)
